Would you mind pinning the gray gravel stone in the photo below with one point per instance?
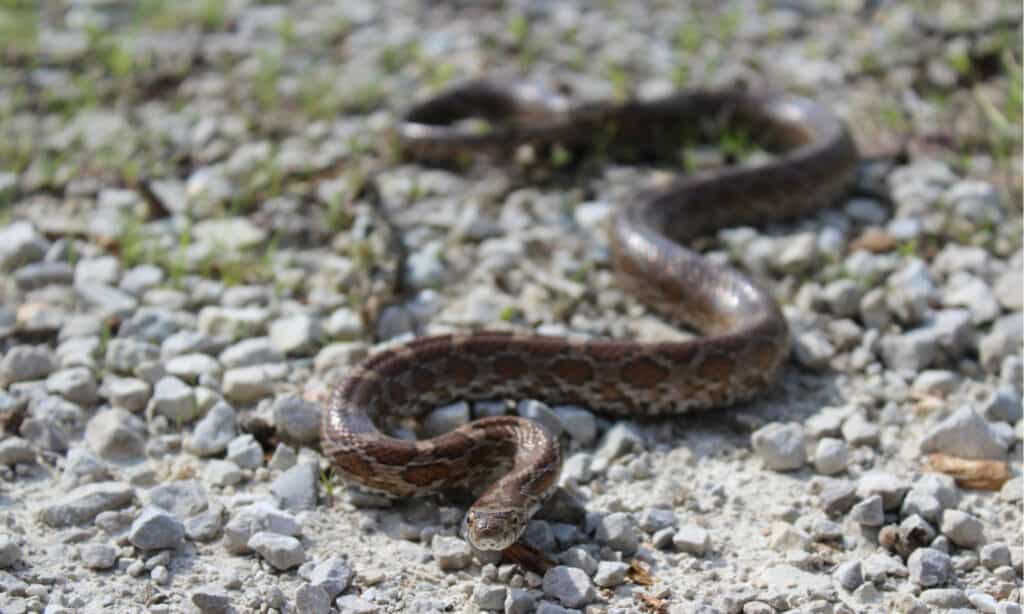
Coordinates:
(333, 575)
(570, 586)
(339, 355)
(15, 450)
(254, 518)
(654, 519)
(20, 244)
(929, 567)
(344, 324)
(353, 604)
(849, 575)
(106, 299)
(127, 392)
(859, 431)
(39, 274)
(137, 280)
(182, 498)
(221, 473)
(250, 384)
(444, 419)
(579, 423)
(81, 505)
(250, 352)
(281, 551)
(234, 323)
(996, 554)
(214, 431)
(780, 446)
(610, 573)
(77, 385)
(116, 435)
(296, 335)
(296, 487)
(489, 597)
(98, 556)
(692, 540)
(284, 457)
(452, 553)
(10, 551)
(211, 599)
(205, 526)
(245, 452)
(296, 419)
(936, 382)
(813, 350)
(621, 439)
(891, 488)
(1004, 339)
(1003, 405)
(830, 456)
(155, 529)
(838, 496)
(962, 529)
(912, 351)
(312, 600)
(579, 558)
(943, 598)
(869, 512)
(619, 531)
(26, 362)
(964, 434)
(190, 367)
(983, 602)
(173, 398)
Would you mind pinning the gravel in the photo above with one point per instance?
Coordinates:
(929, 567)
(780, 446)
(156, 529)
(281, 551)
(201, 212)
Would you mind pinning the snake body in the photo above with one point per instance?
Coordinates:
(513, 462)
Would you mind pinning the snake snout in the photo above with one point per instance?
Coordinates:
(493, 529)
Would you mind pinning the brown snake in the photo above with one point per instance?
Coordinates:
(513, 461)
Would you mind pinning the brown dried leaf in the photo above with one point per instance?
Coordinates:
(653, 604)
(970, 473)
(638, 574)
(874, 240)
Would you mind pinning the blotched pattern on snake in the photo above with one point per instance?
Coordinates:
(512, 461)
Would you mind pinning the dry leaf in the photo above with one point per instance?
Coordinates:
(638, 574)
(653, 604)
(874, 240)
(970, 473)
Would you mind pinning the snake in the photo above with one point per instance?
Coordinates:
(511, 463)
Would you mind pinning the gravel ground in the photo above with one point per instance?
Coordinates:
(203, 223)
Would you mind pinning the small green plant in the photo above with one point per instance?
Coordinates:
(265, 81)
(213, 14)
(508, 314)
(177, 265)
(395, 57)
(908, 249)
(327, 483)
(620, 80)
(560, 156)
(105, 335)
(736, 143)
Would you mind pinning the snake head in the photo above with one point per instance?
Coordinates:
(494, 528)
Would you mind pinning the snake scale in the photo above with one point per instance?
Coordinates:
(511, 461)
